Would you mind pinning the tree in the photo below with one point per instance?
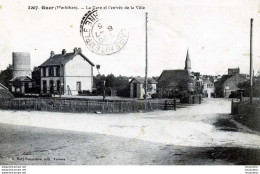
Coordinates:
(149, 85)
(36, 75)
(6, 75)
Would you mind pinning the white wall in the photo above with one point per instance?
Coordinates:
(78, 69)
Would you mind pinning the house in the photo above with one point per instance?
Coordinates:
(21, 84)
(5, 93)
(66, 73)
(22, 80)
(208, 88)
(171, 81)
(231, 84)
(198, 80)
(137, 87)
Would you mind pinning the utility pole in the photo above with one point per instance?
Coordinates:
(146, 59)
(251, 62)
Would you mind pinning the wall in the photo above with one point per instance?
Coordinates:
(231, 84)
(76, 70)
(208, 89)
(247, 114)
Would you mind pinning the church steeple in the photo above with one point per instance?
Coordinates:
(188, 62)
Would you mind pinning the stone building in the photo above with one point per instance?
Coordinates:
(137, 89)
(66, 73)
(171, 81)
(233, 71)
(231, 84)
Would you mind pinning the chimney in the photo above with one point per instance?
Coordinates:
(63, 51)
(52, 53)
(77, 50)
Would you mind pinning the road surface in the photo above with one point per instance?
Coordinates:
(203, 134)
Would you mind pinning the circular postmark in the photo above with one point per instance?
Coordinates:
(101, 36)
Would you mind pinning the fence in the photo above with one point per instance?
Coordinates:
(248, 115)
(191, 99)
(88, 106)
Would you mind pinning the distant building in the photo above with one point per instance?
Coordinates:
(208, 88)
(231, 84)
(137, 88)
(171, 81)
(22, 80)
(187, 62)
(233, 71)
(227, 84)
(66, 73)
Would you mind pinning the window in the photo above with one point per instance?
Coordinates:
(47, 72)
(78, 86)
(44, 72)
(51, 72)
(58, 71)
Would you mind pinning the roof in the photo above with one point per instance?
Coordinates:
(241, 78)
(2, 87)
(174, 76)
(142, 80)
(58, 59)
(22, 79)
(5, 93)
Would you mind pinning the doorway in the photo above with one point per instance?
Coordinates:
(135, 90)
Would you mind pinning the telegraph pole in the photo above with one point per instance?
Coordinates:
(251, 62)
(146, 59)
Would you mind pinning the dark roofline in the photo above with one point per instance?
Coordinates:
(66, 61)
(13, 79)
(142, 77)
(3, 86)
(86, 59)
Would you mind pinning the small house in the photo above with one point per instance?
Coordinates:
(137, 87)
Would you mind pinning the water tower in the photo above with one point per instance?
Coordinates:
(21, 64)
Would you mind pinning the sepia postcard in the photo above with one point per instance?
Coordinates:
(108, 82)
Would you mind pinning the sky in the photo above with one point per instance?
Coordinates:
(216, 32)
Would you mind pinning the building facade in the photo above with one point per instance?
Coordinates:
(137, 89)
(231, 84)
(233, 71)
(66, 73)
(208, 88)
(172, 81)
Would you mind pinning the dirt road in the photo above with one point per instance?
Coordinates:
(203, 134)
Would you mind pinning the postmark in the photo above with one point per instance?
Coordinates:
(101, 36)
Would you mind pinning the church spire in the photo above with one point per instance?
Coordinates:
(188, 62)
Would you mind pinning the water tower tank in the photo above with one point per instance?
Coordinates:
(21, 64)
